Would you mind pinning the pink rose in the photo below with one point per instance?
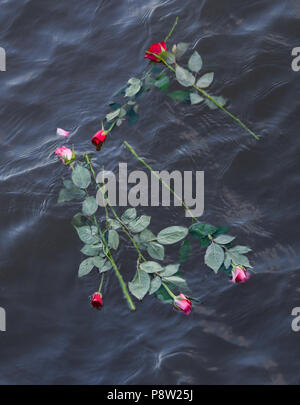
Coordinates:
(183, 304)
(65, 154)
(240, 275)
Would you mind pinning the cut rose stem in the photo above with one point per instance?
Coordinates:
(108, 253)
(130, 148)
(205, 94)
(123, 226)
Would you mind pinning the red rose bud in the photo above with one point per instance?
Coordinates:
(240, 275)
(97, 301)
(99, 138)
(157, 49)
(183, 304)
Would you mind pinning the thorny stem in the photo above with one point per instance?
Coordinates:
(101, 283)
(123, 226)
(115, 267)
(130, 148)
(172, 29)
(109, 255)
(236, 119)
(168, 290)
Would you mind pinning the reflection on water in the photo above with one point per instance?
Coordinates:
(63, 65)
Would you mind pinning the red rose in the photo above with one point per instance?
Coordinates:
(157, 49)
(97, 301)
(99, 138)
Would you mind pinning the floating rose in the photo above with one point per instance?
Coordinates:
(62, 132)
(65, 154)
(99, 138)
(183, 304)
(97, 301)
(157, 49)
(240, 275)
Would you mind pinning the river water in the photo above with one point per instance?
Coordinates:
(64, 60)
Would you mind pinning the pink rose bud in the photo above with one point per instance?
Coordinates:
(62, 132)
(97, 301)
(157, 49)
(240, 275)
(65, 154)
(183, 304)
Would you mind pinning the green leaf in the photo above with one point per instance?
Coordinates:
(204, 241)
(224, 239)
(240, 249)
(184, 77)
(177, 281)
(146, 236)
(115, 106)
(184, 251)
(155, 285)
(87, 234)
(163, 83)
(140, 285)
(169, 270)
(99, 261)
(113, 223)
(205, 80)
(91, 250)
(113, 115)
(156, 251)
(169, 57)
(227, 261)
(196, 98)
(70, 192)
(139, 224)
(181, 48)
(107, 266)
(172, 234)
(67, 195)
(149, 82)
(195, 62)
(164, 296)
(151, 267)
(179, 95)
(89, 206)
(86, 266)
(200, 229)
(220, 230)
(220, 100)
(102, 264)
(132, 116)
(214, 257)
(113, 239)
(129, 215)
(134, 88)
(81, 177)
(239, 259)
(78, 220)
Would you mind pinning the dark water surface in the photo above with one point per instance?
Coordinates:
(64, 60)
